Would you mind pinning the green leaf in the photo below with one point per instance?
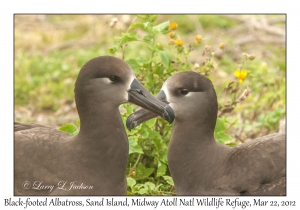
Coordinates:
(75, 133)
(144, 132)
(138, 186)
(165, 58)
(133, 64)
(150, 185)
(222, 137)
(129, 109)
(153, 18)
(146, 25)
(169, 180)
(143, 17)
(69, 128)
(220, 132)
(159, 186)
(128, 37)
(112, 50)
(153, 134)
(133, 146)
(151, 122)
(220, 125)
(148, 171)
(141, 59)
(161, 169)
(163, 27)
(143, 191)
(130, 182)
(159, 70)
(143, 172)
(147, 38)
(231, 144)
(159, 47)
(136, 25)
(231, 121)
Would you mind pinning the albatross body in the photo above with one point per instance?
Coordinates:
(51, 162)
(201, 166)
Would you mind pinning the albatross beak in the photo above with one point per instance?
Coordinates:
(138, 95)
(143, 115)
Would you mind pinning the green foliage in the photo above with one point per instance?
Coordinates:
(44, 79)
(134, 147)
(149, 145)
(220, 132)
(71, 128)
(160, 62)
(271, 119)
(54, 76)
(208, 21)
(169, 180)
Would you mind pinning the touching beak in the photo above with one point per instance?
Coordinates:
(159, 107)
(138, 95)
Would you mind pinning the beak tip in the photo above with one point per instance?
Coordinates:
(130, 124)
(169, 115)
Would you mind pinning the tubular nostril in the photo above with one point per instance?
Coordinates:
(140, 92)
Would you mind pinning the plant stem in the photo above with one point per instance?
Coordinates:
(137, 161)
(238, 84)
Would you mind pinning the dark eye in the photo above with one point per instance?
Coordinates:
(113, 78)
(184, 91)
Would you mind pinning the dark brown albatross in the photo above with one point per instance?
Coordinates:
(201, 166)
(50, 162)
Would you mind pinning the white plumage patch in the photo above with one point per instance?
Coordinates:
(168, 97)
(106, 80)
(132, 77)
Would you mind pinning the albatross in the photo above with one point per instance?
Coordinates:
(198, 164)
(50, 162)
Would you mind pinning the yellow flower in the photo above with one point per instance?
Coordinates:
(221, 46)
(173, 26)
(178, 42)
(171, 34)
(241, 75)
(198, 39)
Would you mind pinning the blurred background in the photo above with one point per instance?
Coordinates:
(243, 55)
(50, 50)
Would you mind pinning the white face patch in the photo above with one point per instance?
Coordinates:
(168, 96)
(106, 80)
(166, 91)
(169, 99)
(189, 94)
(125, 97)
(177, 103)
(132, 77)
(122, 94)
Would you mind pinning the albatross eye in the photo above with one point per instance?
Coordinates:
(113, 78)
(184, 91)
